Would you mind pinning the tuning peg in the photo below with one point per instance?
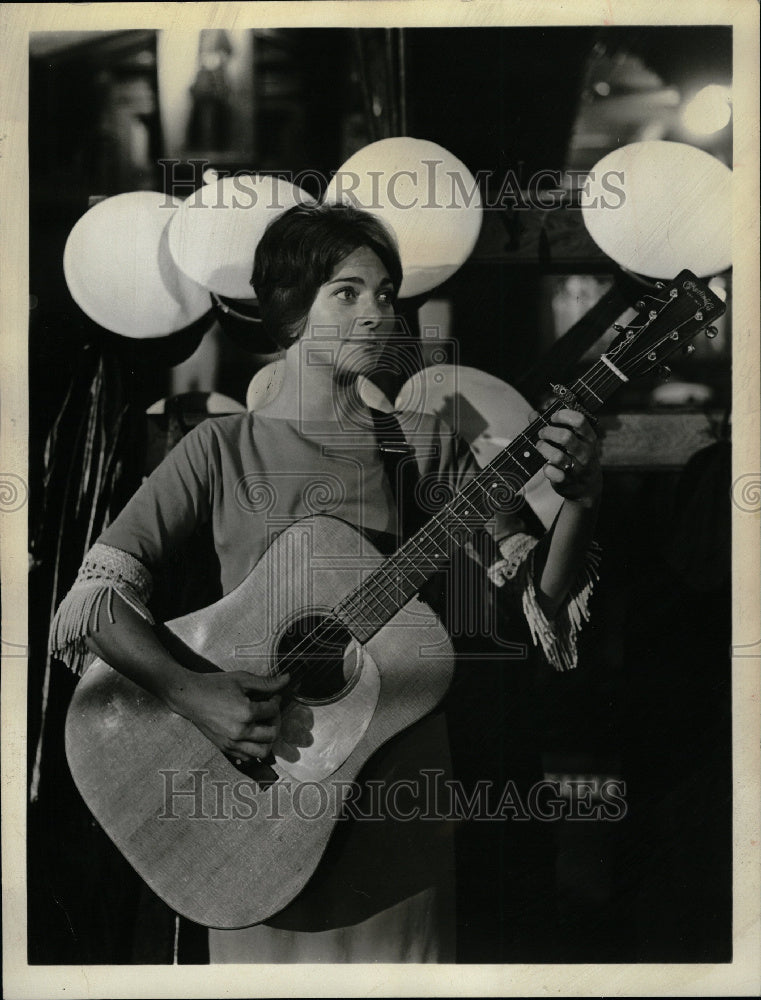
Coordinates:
(618, 328)
(688, 349)
(659, 285)
(711, 332)
(639, 304)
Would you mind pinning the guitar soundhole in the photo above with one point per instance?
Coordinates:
(318, 653)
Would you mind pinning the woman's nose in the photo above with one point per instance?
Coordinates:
(371, 315)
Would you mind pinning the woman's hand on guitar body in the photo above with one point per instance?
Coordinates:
(571, 447)
(237, 710)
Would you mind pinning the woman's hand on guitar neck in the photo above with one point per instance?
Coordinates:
(571, 447)
(237, 710)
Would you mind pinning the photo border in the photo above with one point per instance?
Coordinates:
(742, 975)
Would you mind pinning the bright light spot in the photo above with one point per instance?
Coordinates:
(602, 88)
(211, 60)
(719, 287)
(709, 110)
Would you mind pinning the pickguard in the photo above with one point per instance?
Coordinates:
(317, 737)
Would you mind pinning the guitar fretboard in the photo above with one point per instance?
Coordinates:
(496, 487)
(664, 323)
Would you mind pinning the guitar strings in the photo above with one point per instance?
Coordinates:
(369, 595)
(413, 552)
(415, 559)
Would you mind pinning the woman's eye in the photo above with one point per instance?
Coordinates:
(386, 298)
(347, 294)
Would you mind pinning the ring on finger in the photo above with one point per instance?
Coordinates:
(568, 467)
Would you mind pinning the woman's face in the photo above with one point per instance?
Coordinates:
(352, 315)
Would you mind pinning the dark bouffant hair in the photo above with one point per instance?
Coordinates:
(299, 252)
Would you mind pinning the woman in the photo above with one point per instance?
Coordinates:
(326, 279)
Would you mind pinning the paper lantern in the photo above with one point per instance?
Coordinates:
(486, 412)
(428, 197)
(120, 272)
(215, 232)
(659, 207)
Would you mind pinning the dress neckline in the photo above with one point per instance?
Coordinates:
(333, 429)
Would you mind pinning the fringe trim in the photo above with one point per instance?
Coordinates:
(515, 550)
(104, 571)
(557, 638)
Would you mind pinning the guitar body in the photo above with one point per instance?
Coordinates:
(227, 847)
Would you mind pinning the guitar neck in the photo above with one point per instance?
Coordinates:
(493, 488)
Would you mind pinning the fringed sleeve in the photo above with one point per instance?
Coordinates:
(556, 637)
(105, 570)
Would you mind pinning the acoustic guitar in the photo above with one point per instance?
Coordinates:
(229, 846)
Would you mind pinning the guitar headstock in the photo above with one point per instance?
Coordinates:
(667, 320)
